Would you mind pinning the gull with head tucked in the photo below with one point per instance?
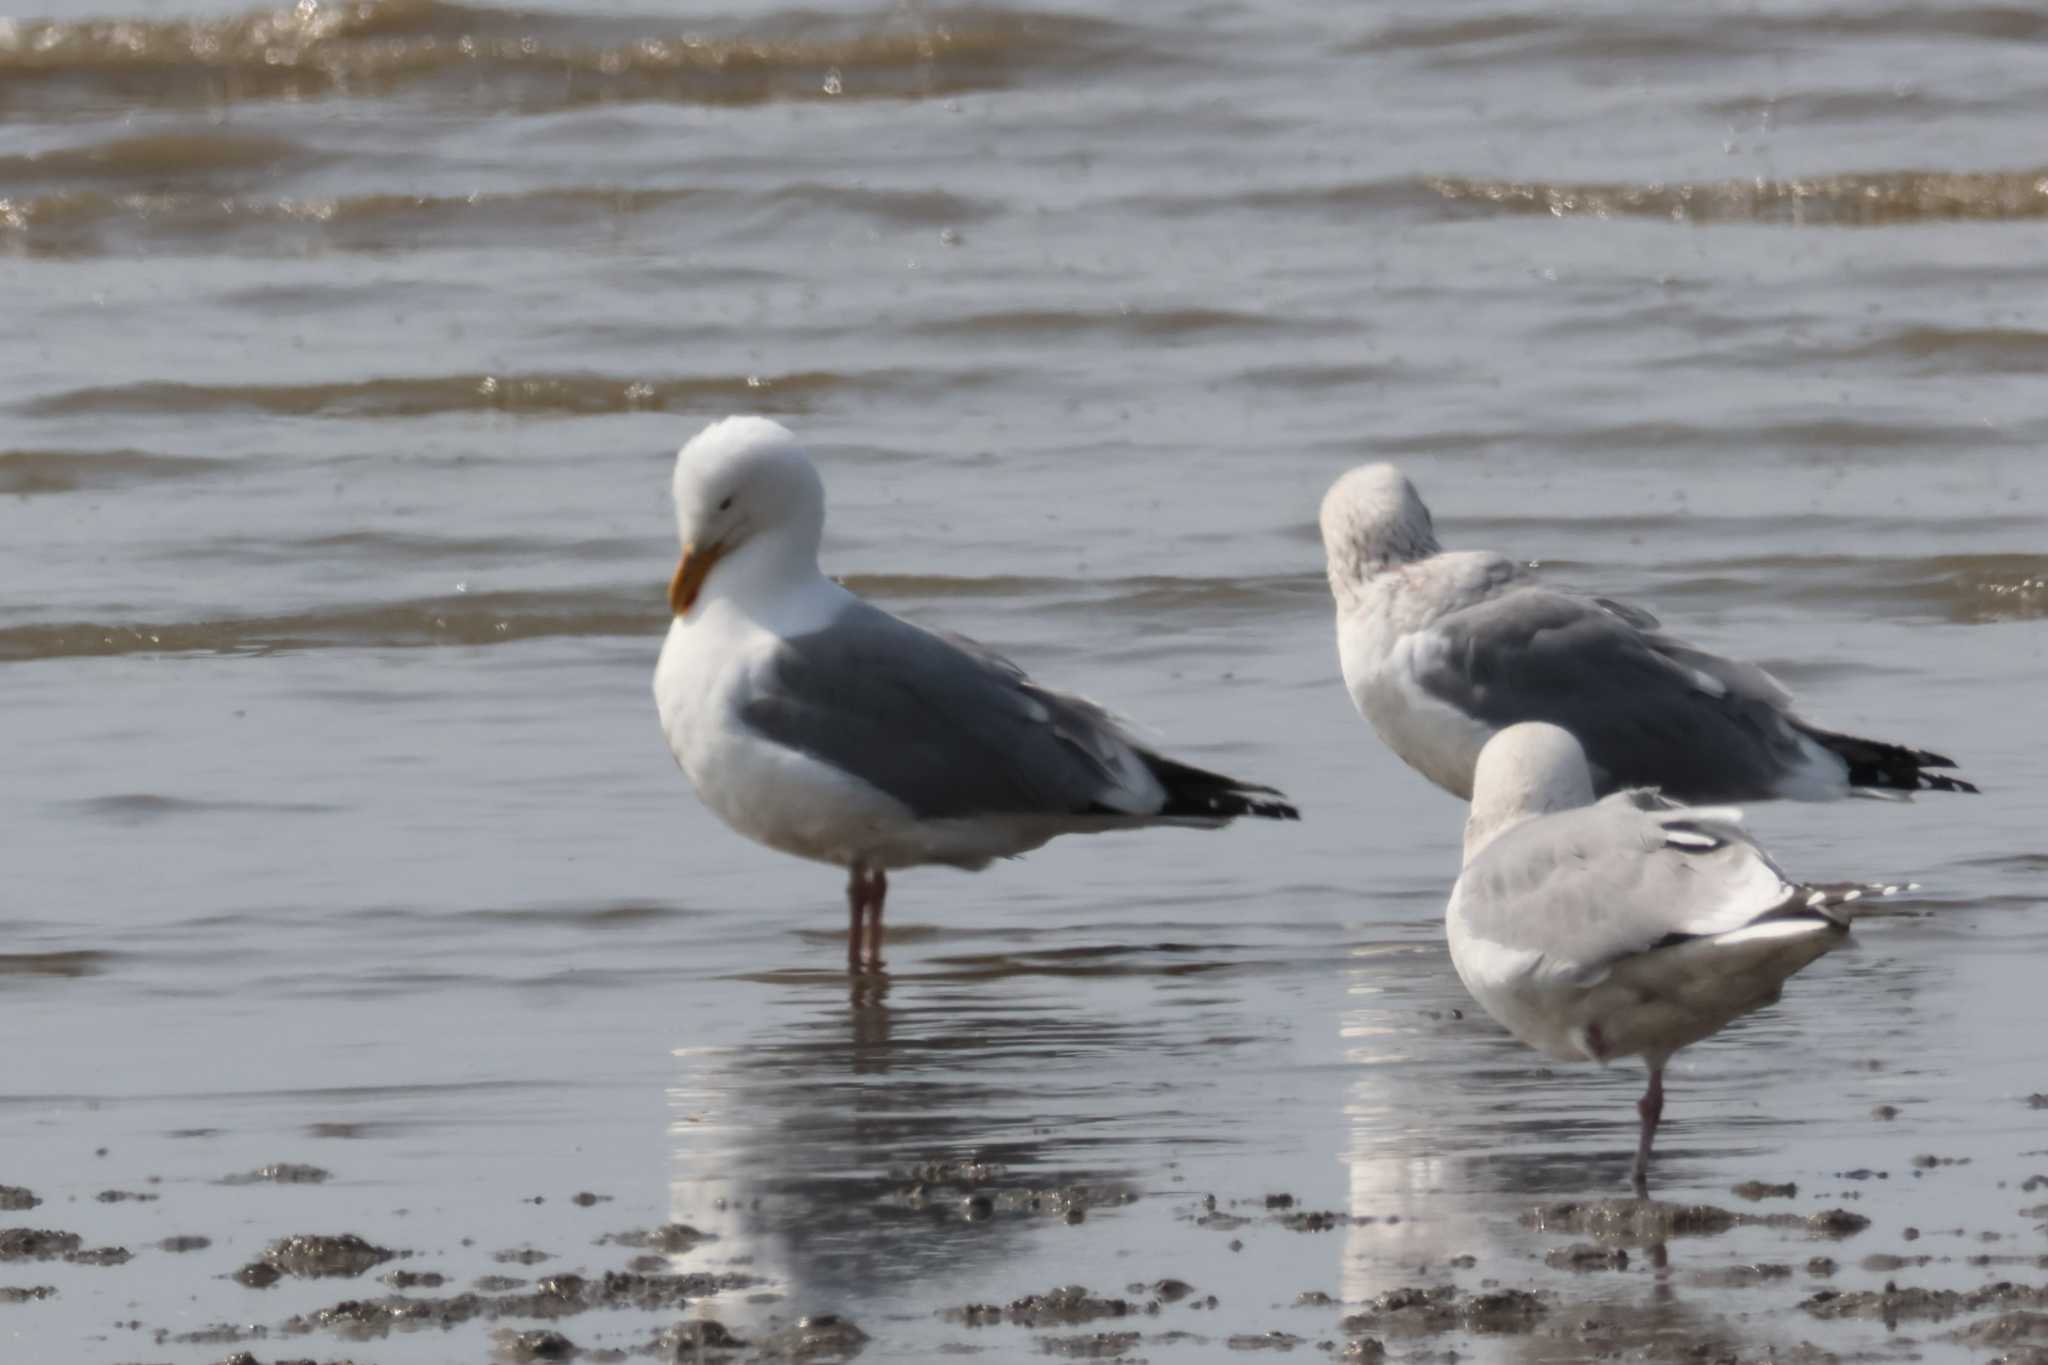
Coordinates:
(822, 726)
(1629, 927)
(1441, 650)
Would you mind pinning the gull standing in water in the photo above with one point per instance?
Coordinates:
(1441, 650)
(819, 725)
(1630, 927)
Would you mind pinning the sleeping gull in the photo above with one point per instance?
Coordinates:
(1441, 650)
(1630, 927)
(824, 727)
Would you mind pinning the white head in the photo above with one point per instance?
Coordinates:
(749, 504)
(1372, 519)
(1524, 771)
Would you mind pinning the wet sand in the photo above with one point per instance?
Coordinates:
(921, 1170)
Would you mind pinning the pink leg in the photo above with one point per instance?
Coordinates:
(856, 897)
(1651, 1108)
(878, 891)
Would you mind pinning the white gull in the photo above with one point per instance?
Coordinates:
(1630, 927)
(824, 727)
(1442, 649)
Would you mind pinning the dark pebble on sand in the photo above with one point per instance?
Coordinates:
(15, 1199)
(520, 1256)
(414, 1279)
(497, 1284)
(977, 1208)
(583, 1199)
(258, 1275)
(1822, 1266)
(1314, 1298)
(1363, 1349)
(25, 1294)
(2038, 1100)
(99, 1256)
(1885, 1111)
(123, 1196)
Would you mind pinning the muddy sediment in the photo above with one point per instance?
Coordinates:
(37, 1244)
(671, 1238)
(1069, 1305)
(1896, 1303)
(1442, 1308)
(279, 1173)
(1584, 1257)
(323, 1257)
(1641, 1222)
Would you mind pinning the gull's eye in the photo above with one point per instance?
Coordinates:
(726, 505)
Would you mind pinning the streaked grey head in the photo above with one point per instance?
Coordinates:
(1524, 771)
(749, 504)
(1373, 518)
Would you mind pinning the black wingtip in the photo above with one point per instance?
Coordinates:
(1195, 793)
(1881, 766)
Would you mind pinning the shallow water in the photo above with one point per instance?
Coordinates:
(347, 348)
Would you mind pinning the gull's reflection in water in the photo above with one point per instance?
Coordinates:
(835, 1151)
(1454, 1132)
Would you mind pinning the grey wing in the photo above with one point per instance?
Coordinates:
(1650, 709)
(1577, 892)
(942, 724)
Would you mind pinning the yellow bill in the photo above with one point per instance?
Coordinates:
(691, 571)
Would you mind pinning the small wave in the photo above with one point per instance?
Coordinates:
(430, 395)
(24, 472)
(533, 59)
(76, 962)
(1820, 440)
(1873, 199)
(1145, 324)
(1148, 593)
(1964, 350)
(1678, 35)
(80, 222)
(165, 157)
(484, 618)
(375, 547)
(135, 808)
(459, 619)
(1976, 589)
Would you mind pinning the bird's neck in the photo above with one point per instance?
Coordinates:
(774, 582)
